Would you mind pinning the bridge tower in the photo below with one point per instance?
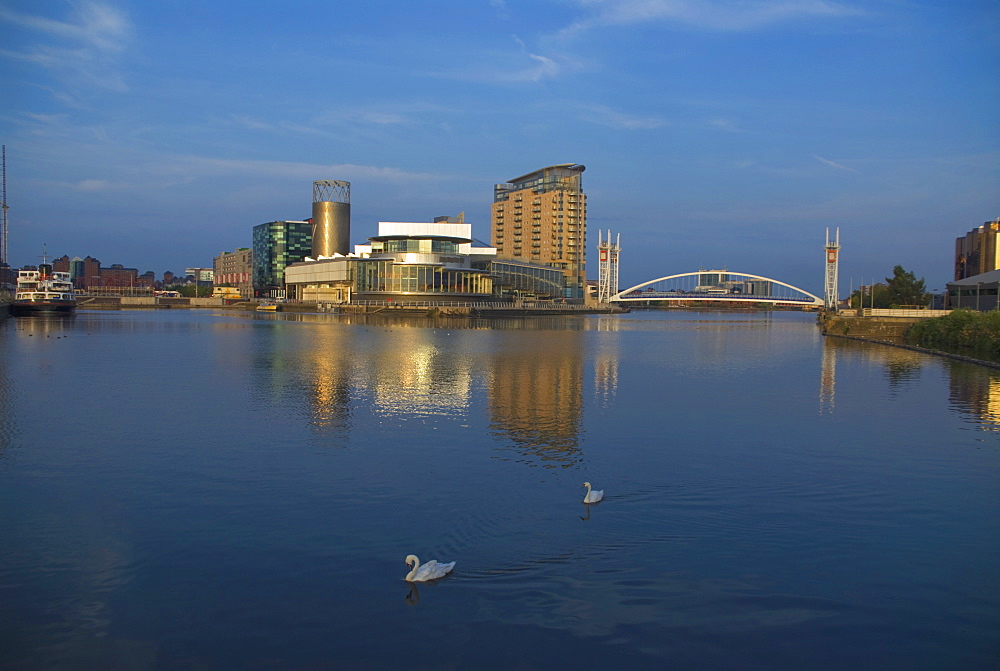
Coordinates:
(607, 267)
(832, 268)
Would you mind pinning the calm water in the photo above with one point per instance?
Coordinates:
(199, 490)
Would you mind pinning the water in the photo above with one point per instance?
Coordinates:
(216, 490)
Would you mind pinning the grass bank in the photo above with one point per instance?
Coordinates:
(962, 329)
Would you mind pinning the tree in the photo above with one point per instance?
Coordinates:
(905, 289)
(876, 296)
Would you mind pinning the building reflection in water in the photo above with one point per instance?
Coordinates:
(974, 390)
(421, 371)
(536, 397)
(606, 359)
(329, 394)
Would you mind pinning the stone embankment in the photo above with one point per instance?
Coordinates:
(886, 330)
(882, 329)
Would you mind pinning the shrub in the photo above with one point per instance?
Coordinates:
(979, 331)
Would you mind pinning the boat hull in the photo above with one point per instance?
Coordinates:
(28, 308)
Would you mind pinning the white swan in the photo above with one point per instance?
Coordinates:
(432, 570)
(592, 497)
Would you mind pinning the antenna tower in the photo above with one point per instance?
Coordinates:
(3, 227)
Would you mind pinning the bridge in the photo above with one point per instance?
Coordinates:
(717, 286)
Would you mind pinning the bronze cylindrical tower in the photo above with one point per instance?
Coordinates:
(331, 218)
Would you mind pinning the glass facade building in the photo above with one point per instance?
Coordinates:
(527, 279)
(276, 245)
(383, 276)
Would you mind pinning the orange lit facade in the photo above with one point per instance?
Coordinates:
(541, 217)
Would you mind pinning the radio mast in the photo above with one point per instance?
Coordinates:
(3, 227)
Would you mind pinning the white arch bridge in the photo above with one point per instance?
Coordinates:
(717, 286)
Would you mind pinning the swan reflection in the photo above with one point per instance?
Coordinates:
(413, 596)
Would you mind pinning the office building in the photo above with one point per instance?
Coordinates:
(978, 251)
(541, 218)
(277, 245)
(235, 269)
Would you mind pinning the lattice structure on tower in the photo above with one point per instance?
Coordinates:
(607, 267)
(831, 298)
(3, 225)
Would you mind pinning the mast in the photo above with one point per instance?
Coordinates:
(3, 227)
(832, 270)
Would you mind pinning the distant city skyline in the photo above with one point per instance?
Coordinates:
(715, 133)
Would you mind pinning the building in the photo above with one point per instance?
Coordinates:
(541, 218)
(201, 275)
(978, 251)
(85, 273)
(331, 218)
(235, 269)
(435, 262)
(431, 261)
(979, 292)
(276, 245)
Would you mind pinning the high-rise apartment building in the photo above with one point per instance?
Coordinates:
(978, 251)
(541, 217)
(277, 244)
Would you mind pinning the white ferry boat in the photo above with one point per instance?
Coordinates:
(42, 290)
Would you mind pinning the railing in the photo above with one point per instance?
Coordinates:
(705, 295)
(472, 305)
(901, 312)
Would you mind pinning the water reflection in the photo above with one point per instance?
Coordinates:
(536, 398)
(828, 380)
(413, 596)
(974, 389)
(8, 424)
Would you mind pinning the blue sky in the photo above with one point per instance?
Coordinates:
(715, 133)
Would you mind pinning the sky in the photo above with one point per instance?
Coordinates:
(715, 133)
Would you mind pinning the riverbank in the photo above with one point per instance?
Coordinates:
(926, 335)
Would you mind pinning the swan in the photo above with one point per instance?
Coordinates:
(432, 570)
(592, 497)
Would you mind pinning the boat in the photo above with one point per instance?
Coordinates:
(267, 306)
(43, 291)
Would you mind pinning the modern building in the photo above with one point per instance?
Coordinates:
(541, 218)
(437, 261)
(979, 292)
(331, 218)
(235, 269)
(978, 251)
(277, 245)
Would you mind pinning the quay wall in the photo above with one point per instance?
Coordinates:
(885, 329)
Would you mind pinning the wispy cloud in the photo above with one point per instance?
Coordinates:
(724, 124)
(606, 116)
(93, 24)
(94, 185)
(83, 49)
(523, 66)
(724, 15)
(198, 166)
(833, 164)
(501, 8)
